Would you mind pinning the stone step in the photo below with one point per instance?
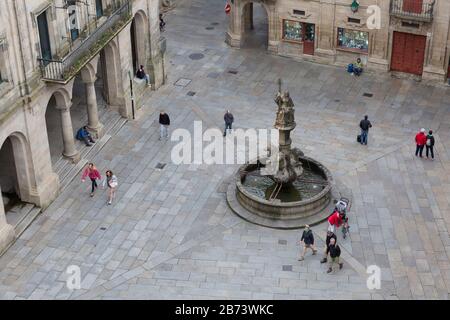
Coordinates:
(18, 213)
(72, 174)
(27, 220)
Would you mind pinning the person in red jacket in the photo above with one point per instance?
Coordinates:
(421, 140)
(93, 174)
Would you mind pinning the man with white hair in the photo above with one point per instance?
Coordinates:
(421, 140)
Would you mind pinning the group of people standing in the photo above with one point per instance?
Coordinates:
(425, 140)
(94, 175)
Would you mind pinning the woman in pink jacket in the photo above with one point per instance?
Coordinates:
(93, 174)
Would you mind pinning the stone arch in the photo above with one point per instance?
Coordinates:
(62, 96)
(140, 36)
(25, 187)
(113, 74)
(246, 16)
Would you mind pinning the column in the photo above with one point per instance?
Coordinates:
(94, 124)
(68, 137)
(7, 233)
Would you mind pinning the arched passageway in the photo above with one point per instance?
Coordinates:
(254, 26)
(139, 38)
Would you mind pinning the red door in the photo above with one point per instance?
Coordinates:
(414, 6)
(408, 53)
(309, 34)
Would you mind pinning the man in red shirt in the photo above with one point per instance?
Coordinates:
(421, 140)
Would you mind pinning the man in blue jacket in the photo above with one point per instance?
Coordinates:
(84, 135)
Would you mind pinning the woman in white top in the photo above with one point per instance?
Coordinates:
(111, 181)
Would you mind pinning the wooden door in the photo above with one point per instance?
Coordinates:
(308, 38)
(408, 53)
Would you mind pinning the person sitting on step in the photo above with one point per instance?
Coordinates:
(84, 135)
(140, 74)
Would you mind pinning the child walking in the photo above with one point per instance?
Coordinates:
(111, 181)
(93, 174)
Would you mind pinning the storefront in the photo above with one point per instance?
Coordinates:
(353, 40)
(301, 33)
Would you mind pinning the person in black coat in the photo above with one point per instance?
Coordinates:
(334, 251)
(330, 235)
(365, 125)
(430, 144)
(308, 242)
(164, 122)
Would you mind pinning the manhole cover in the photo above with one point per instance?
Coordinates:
(209, 28)
(287, 268)
(182, 82)
(160, 166)
(191, 93)
(196, 56)
(103, 228)
(282, 242)
(233, 71)
(369, 95)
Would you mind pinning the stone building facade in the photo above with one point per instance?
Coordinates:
(56, 52)
(412, 36)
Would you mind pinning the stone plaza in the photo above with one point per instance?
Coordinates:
(170, 233)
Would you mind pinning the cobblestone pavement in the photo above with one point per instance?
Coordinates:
(170, 234)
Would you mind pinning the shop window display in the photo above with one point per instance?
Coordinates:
(292, 30)
(353, 40)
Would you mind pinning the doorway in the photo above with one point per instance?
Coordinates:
(255, 26)
(408, 53)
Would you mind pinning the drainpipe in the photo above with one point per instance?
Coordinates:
(24, 75)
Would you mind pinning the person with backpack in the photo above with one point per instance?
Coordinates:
(308, 242)
(334, 251)
(430, 144)
(421, 140)
(365, 125)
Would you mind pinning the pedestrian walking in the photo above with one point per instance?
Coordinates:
(308, 242)
(421, 140)
(111, 181)
(330, 235)
(430, 144)
(335, 252)
(365, 125)
(93, 174)
(229, 119)
(164, 123)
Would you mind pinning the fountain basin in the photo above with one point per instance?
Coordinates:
(291, 207)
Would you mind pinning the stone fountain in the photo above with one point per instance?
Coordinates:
(286, 190)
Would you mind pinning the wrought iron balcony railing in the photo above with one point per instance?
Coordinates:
(418, 10)
(63, 70)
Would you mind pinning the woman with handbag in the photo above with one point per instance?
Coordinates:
(111, 181)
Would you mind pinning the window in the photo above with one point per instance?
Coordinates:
(292, 30)
(299, 12)
(353, 40)
(99, 8)
(73, 21)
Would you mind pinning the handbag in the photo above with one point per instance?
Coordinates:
(358, 138)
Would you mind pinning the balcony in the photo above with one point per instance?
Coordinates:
(416, 10)
(63, 70)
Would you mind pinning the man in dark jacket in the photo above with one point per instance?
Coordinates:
(335, 252)
(229, 119)
(308, 242)
(141, 74)
(430, 144)
(84, 135)
(330, 235)
(164, 123)
(365, 125)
